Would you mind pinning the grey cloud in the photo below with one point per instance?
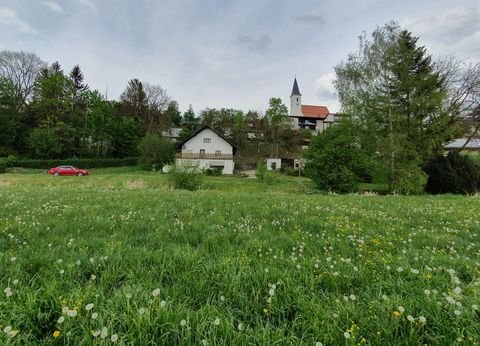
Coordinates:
(256, 44)
(310, 19)
(89, 4)
(9, 17)
(54, 6)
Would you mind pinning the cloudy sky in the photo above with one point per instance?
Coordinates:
(225, 53)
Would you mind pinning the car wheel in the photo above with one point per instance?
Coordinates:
(79, 174)
(56, 174)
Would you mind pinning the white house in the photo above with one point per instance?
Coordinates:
(308, 117)
(207, 149)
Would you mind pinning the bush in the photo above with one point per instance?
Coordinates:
(454, 173)
(264, 174)
(11, 161)
(215, 171)
(411, 180)
(335, 161)
(81, 163)
(155, 151)
(3, 166)
(186, 177)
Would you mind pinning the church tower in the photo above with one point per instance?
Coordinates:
(295, 101)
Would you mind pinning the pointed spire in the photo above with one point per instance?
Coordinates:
(295, 90)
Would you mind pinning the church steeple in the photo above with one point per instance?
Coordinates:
(295, 90)
(296, 100)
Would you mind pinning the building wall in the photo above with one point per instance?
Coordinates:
(195, 144)
(227, 165)
(296, 105)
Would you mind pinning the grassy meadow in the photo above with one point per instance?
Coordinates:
(119, 257)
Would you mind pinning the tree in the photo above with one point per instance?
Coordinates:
(157, 102)
(172, 114)
(155, 151)
(22, 69)
(10, 118)
(134, 103)
(276, 118)
(336, 161)
(190, 123)
(397, 102)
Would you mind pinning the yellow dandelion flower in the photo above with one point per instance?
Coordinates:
(396, 314)
(56, 334)
(265, 311)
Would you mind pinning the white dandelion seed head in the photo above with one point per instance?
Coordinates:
(72, 313)
(457, 290)
(60, 320)
(410, 318)
(156, 292)
(114, 338)
(94, 316)
(163, 303)
(318, 343)
(346, 335)
(240, 326)
(457, 312)
(352, 297)
(15, 282)
(104, 333)
(216, 322)
(89, 307)
(183, 323)
(475, 307)
(401, 309)
(422, 319)
(7, 329)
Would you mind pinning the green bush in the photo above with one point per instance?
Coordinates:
(215, 171)
(155, 151)
(3, 166)
(11, 161)
(186, 177)
(81, 163)
(454, 173)
(411, 180)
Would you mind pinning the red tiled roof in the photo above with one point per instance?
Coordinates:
(320, 112)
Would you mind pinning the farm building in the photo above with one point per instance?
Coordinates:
(208, 150)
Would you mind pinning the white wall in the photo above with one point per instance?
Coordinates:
(206, 163)
(193, 145)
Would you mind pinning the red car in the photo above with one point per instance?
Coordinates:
(67, 170)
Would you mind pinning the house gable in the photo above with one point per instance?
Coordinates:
(208, 140)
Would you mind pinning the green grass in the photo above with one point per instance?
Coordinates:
(274, 264)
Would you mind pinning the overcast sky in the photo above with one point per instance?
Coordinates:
(225, 53)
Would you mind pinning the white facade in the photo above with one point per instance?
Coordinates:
(296, 105)
(207, 149)
(274, 164)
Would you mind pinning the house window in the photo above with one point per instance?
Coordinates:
(218, 153)
(202, 152)
(207, 140)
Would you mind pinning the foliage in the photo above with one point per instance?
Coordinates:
(397, 102)
(3, 165)
(273, 267)
(335, 160)
(10, 118)
(454, 173)
(263, 174)
(276, 118)
(215, 171)
(186, 177)
(155, 151)
(81, 163)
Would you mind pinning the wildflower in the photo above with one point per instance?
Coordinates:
(13, 259)
(204, 342)
(475, 307)
(240, 326)
(141, 311)
(59, 261)
(183, 323)
(346, 335)
(271, 291)
(427, 292)
(60, 320)
(95, 333)
(65, 310)
(422, 319)
(89, 307)
(78, 262)
(384, 297)
(8, 291)
(7, 329)
(93, 277)
(72, 313)
(318, 343)
(56, 334)
(94, 316)
(15, 282)
(104, 333)
(114, 338)
(265, 311)
(216, 322)
(401, 309)
(62, 271)
(156, 292)
(352, 297)
(396, 314)
(163, 303)
(222, 298)
(457, 312)
(457, 290)
(410, 318)
(399, 269)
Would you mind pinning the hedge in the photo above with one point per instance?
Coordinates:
(80, 163)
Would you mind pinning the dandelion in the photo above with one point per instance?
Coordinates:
(457, 290)
(427, 292)
(216, 322)
(156, 292)
(13, 259)
(7, 329)
(94, 316)
(204, 342)
(396, 314)
(60, 320)
(78, 262)
(346, 335)
(318, 343)
(141, 311)
(422, 319)
(104, 333)
(62, 271)
(457, 312)
(65, 310)
(114, 338)
(89, 307)
(265, 311)
(163, 303)
(72, 313)
(410, 318)
(183, 323)
(240, 326)
(15, 282)
(401, 309)
(475, 307)
(399, 269)
(271, 291)
(56, 334)
(8, 291)
(352, 297)
(95, 333)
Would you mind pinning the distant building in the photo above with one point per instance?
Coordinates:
(173, 133)
(309, 117)
(459, 143)
(208, 150)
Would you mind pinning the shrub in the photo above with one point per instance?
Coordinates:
(215, 171)
(335, 161)
(81, 163)
(264, 174)
(10, 161)
(155, 151)
(454, 173)
(3, 166)
(411, 180)
(186, 177)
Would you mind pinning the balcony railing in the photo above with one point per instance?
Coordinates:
(204, 156)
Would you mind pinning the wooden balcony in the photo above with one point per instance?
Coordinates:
(208, 156)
